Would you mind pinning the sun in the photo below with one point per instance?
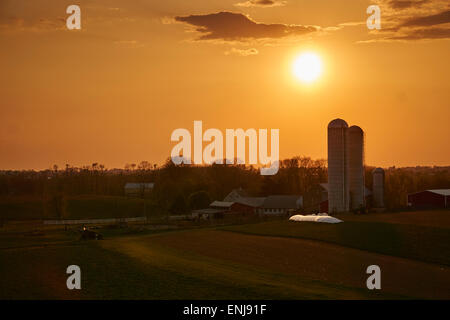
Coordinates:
(307, 67)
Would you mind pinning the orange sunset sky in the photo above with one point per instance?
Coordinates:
(114, 91)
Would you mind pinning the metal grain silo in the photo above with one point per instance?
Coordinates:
(378, 188)
(337, 167)
(355, 155)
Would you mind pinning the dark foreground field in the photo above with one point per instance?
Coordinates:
(270, 260)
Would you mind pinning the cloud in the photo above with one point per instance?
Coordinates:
(242, 52)
(431, 20)
(262, 3)
(404, 4)
(424, 34)
(413, 20)
(16, 24)
(229, 26)
(418, 34)
(423, 27)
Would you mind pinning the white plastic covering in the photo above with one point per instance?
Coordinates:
(320, 217)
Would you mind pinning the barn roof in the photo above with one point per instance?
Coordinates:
(251, 201)
(282, 202)
(443, 192)
(137, 185)
(324, 186)
(221, 204)
(236, 194)
(242, 197)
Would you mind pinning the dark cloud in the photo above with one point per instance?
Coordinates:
(424, 34)
(413, 20)
(405, 4)
(261, 3)
(423, 27)
(231, 26)
(431, 20)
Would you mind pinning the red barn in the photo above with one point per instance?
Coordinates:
(232, 207)
(316, 198)
(323, 206)
(428, 199)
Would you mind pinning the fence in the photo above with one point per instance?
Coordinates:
(91, 221)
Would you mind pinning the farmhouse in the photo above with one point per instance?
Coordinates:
(138, 189)
(430, 199)
(242, 197)
(236, 194)
(235, 207)
(238, 202)
(217, 209)
(282, 204)
(273, 204)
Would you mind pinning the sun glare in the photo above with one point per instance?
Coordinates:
(307, 67)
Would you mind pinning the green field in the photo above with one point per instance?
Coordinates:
(75, 207)
(424, 243)
(269, 260)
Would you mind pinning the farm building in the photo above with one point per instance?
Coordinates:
(232, 207)
(217, 209)
(242, 197)
(208, 213)
(282, 204)
(316, 198)
(430, 199)
(254, 202)
(236, 194)
(239, 202)
(138, 189)
(274, 204)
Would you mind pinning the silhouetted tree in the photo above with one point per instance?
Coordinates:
(178, 205)
(199, 200)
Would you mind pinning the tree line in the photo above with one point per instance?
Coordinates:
(182, 187)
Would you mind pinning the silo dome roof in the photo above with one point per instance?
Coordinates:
(378, 170)
(338, 123)
(355, 129)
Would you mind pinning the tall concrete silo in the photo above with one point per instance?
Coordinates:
(378, 188)
(355, 155)
(338, 191)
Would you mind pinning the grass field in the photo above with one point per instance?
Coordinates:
(270, 260)
(75, 207)
(414, 241)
